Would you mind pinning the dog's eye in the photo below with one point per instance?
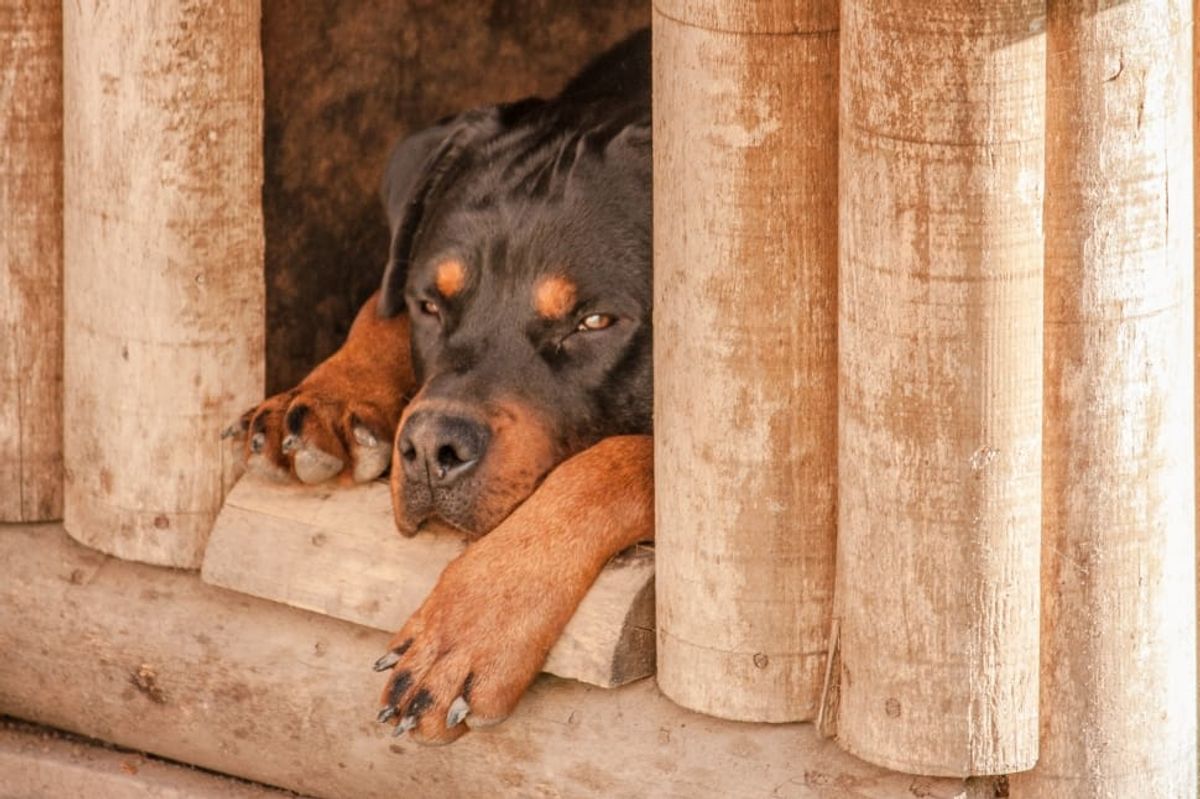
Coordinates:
(430, 308)
(596, 321)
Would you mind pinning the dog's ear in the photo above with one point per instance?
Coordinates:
(418, 169)
(615, 160)
(631, 149)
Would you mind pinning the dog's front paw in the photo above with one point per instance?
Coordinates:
(466, 656)
(316, 432)
(341, 420)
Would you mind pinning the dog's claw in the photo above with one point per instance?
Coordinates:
(235, 430)
(258, 442)
(387, 661)
(290, 443)
(386, 714)
(459, 709)
(365, 437)
(406, 724)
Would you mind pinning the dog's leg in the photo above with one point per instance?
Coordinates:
(342, 418)
(466, 656)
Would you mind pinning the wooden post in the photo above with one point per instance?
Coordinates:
(164, 286)
(745, 151)
(940, 383)
(31, 260)
(1118, 630)
(166, 664)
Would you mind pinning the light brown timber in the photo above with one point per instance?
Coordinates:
(154, 659)
(335, 551)
(1118, 630)
(31, 153)
(39, 763)
(163, 266)
(745, 116)
(940, 344)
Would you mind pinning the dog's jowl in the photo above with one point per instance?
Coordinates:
(503, 373)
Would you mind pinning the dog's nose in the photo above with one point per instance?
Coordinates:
(439, 448)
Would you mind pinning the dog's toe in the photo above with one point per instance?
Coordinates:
(314, 466)
(371, 457)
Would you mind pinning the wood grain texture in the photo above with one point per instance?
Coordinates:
(163, 260)
(38, 763)
(940, 383)
(817, 18)
(1118, 677)
(31, 260)
(161, 662)
(335, 551)
(745, 151)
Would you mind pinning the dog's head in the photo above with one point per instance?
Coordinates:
(521, 249)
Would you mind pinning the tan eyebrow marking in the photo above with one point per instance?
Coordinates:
(451, 277)
(554, 297)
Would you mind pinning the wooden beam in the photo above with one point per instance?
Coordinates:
(940, 350)
(335, 551)
(154, 659)
(745, 364)
(39, 762)
(163, 264)
(1118, 536)
(31, 156)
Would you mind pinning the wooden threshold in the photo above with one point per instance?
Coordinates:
(155, 659)
(37, 762)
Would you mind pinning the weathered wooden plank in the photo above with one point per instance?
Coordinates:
(335, 551)
(745, 356)
(163, 253)
(38, 763)
(940, 347)
(1118, 527)
(155, 659)
(31, 156)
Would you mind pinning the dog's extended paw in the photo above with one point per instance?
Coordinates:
(466, 656)
(317, 434)
(341, 419)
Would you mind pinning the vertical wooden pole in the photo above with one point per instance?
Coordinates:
(940, 383)
(1118, 683)
(164, 286)
(745, 365)
(30, 260)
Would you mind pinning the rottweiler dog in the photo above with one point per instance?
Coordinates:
(503, 372)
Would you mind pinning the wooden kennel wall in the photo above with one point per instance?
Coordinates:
(925, 365)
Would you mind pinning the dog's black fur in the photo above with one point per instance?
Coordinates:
(518, 193)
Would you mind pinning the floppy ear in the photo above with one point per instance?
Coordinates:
(418, 169)
(618, 157)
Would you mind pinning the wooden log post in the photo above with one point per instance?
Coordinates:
(164, 286)
(940, 383)
(745, 237)
(31, 260)
(156, 660)
(1118, 682)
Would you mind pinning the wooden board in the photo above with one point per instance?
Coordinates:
(31, 152)
(163, 266)
(940, 354)
(335, 551)
(155, 659)
(1118, 528)
(39, 763)
(745, 355)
